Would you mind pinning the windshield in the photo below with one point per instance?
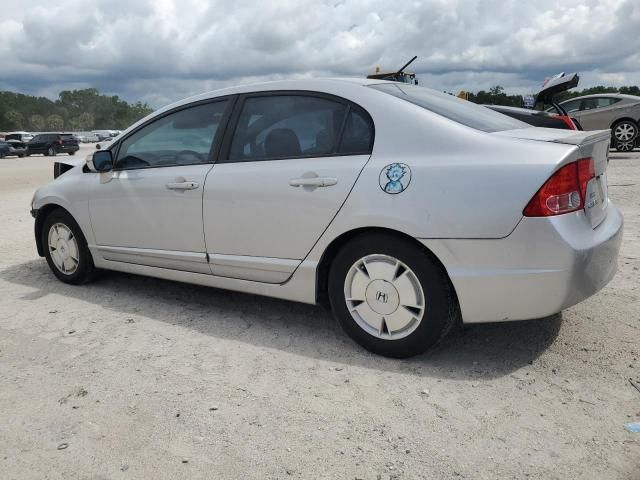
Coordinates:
(453, 108)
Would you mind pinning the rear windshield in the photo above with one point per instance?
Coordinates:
(454, 108)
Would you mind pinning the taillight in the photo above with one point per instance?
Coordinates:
(564, 192)
(568, 121)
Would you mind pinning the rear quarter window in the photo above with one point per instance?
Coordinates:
(451, 107)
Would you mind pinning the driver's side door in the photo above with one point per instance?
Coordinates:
(148, 210)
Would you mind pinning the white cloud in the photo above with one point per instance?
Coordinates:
(161, 50)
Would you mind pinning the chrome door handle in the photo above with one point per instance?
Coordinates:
(182, 185)
(313, 182)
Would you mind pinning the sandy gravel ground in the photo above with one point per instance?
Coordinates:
(131, 378)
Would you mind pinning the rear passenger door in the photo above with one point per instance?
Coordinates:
(596, 114)
(283, 174)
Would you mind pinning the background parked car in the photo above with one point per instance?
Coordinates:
(556, 116)
(4, 149)
(22, 136)
(620, 113)
(14, 148)
(53, 143)
(535, 117)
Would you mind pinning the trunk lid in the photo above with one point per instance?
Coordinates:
(593, 144)
(556, 84)
(68, 140)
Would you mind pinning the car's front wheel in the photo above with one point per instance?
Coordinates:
(51, 152)
(625, 131)
(66, 249)
(391, 296)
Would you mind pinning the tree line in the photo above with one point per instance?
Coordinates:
(497, 96)
(74, 110)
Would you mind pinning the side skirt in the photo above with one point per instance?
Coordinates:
(299, 288)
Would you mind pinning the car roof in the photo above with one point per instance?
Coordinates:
(605, 95)
(301, 84)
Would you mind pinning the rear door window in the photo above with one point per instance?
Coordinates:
(357, 136)
(286, 126)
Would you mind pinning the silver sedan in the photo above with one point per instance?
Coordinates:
(620, 113)
(403, 209)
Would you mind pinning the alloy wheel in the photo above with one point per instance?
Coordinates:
(63, 248)
(384, 297)
(625, 146)
(625, 132)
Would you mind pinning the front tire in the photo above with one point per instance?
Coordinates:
(51, 152)
(625, 131)
(66, 248)
(390, 296)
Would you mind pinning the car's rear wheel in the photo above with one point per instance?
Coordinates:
(625, 131)
(51, 152)
(66, 248)
(390, 296)
(72, 153)
(625, 146)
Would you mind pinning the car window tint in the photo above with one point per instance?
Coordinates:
(181, 138)
(358, 134)
(572, 106)
(451, 107)
(286, 126)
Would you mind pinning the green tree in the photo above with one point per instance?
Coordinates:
(54, 122)
(82, 122)
(37, 123)
(14, 120)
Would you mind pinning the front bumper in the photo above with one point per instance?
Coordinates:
(543, 267)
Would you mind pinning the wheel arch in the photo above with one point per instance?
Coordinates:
(322, 272)
(43, 213)
(624, 119)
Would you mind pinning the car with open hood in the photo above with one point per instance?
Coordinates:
(555, 116)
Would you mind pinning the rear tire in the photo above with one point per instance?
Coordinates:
(72, 153)
(624, 146)
(51, 152)
(390, 296)
(66, 248)
(624, 131)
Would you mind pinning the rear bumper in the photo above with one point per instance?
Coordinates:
(67, 148)
(543, 267)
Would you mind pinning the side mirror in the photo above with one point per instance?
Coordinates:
(100, 161)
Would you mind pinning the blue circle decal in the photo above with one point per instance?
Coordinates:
(395, 178)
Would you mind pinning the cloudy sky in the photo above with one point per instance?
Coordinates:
(162, 50)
